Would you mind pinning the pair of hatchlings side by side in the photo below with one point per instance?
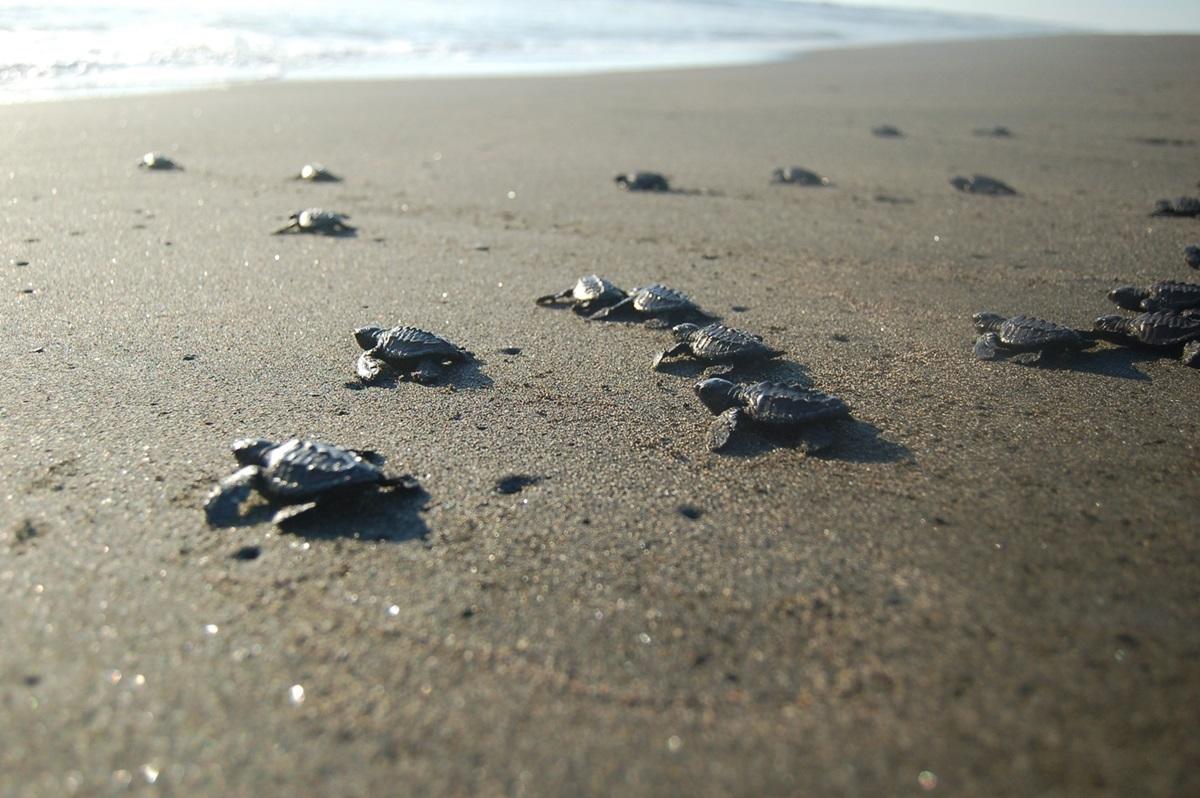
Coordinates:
(1169, 318)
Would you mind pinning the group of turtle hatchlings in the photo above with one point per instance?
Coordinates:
(298, 474)
(1166, 319)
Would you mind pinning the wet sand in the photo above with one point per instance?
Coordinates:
(991, 579)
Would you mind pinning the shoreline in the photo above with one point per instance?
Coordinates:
(987, 584)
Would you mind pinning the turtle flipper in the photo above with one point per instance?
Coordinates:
(987, 346)
(815, 438)
(723, 428)
(369, 367)
(427, 372)
(291, 227)
(223, 505)
(551, 299)
(604, 313)
(675, 351)
(403, 482)
(290, 511)
(1191, 354)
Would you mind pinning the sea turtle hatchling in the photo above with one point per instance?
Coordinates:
(1000, 336)
(642, 181)
(589, 293)
(1191, 255)
(716, 343)
(296, 474)
(408, 351)
(315, 173)
(159, 162)
(656, 302)
(1162, 295)
(1181, 206)
(887, 132)
(798, 176)
(317, 221)
(780, 406)
(1160, 329)
(982, 184)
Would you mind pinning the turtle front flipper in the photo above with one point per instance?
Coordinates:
(675, 351)
(604, 313)
(223, 505)
(723, 427)
(293, 226)
(987, 346)
(370, 368)
(554, 299)
(290, 511)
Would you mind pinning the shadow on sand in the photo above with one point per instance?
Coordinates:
(381, 515)
(1116, 362)
(853, 441)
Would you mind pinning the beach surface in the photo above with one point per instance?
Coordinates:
(989, 586)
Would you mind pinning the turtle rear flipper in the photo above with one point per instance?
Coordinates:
(814, 438)
(1191, 354)
(987, 346)
(370, 368)
(224, 503)
(428, 372)
(723, 427)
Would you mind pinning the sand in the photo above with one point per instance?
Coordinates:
(988, 587)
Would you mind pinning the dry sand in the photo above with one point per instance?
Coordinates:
(993, 578)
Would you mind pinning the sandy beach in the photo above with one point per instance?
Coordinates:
(988, 587)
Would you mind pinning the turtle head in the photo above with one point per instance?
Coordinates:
(250, 451)
(717, 394)
(778, 176)
(368, 337)
(1128, 297)
(684, 332)
(961, 183)
(1114, 325)
(987, 322)
(621, 180)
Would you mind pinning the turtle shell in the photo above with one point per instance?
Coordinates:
(716, 342)
(410, 343)
(1181, 206)
(799, 176)
(644, 181)
(1027, 332)
(658, 298)
(593, 287)
(317, 219)
(787, 404)
(982, 184)
(300, 469)
(1173, 295)
(1163, 328)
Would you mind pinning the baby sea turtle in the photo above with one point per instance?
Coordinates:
(798, 176)
(982, 184)
(716, 343)
(1000, 336)
(156, 160)
(887, 132)
(315, 173)
(1162, 295)
(1191, 254)
(781, 406)
(997, 132)
(1181, 206)
(655, 301)
(1160, 329)
(642, 181)
(297, 474)
(317, 221)
(590, 292)
(408, 351)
